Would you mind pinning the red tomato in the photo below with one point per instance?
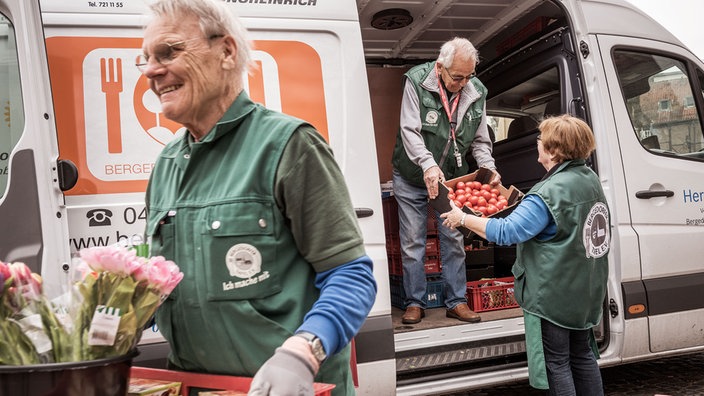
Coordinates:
(468, 204)
(492, 201)
(486, 195)
(496, 191)
(477, 193)
(482, 209)
(481, 201)
(461, 199)
(460, 184)
(473, 199)
(476, 185)
(451, 196)
(458, 203)
(491, 209)
(486, 187)
(500, 205)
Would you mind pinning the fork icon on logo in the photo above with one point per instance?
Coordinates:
(111, 85)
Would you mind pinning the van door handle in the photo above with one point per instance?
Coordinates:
(68, 174)
(363, 212)
(647, 194)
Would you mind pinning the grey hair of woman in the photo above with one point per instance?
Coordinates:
(215, 18)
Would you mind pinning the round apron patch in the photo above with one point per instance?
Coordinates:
(596, 231)
(431, 117)
(243, 260)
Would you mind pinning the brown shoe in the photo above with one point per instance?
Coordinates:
(463, 313)
(413, 315)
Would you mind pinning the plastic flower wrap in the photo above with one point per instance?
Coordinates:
(118, 294)
(103, 316)
(30, 332)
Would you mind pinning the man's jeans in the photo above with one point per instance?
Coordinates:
(570, 363)
(413, 229)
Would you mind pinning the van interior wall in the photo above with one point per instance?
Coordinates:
(385, 90)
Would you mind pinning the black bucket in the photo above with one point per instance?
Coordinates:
(101, 377)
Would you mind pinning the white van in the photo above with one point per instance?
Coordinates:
(80, 131)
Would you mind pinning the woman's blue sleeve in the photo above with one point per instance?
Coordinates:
(529, 219)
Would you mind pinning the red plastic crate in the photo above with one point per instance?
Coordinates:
(491, 294)
(393, 244)
(395, 264)
(390, 210)
(210, 381)
(432, 246)
(432, 264)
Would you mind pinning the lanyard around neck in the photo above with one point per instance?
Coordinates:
(450, 112)
(446, 103)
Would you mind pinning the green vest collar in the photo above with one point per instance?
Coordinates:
(234, 115)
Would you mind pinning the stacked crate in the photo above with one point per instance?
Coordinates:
(434, 296)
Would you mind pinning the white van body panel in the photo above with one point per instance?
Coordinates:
(38, 142)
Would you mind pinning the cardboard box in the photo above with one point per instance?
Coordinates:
(152, 387)
(442, 204)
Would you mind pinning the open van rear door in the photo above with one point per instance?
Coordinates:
(33, 228)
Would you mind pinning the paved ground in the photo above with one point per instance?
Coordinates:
(676, 376)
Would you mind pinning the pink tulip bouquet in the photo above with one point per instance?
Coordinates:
(116, 295)
(30, 332)
(119, 294)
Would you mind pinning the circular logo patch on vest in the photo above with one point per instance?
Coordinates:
(596, 231)
(432, 117)
(243, 260)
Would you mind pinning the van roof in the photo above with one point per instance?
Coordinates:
(488, 24)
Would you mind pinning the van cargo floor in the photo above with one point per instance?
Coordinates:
(435, 317)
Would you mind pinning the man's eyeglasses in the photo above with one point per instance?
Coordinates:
(457, 78)
(166, 53)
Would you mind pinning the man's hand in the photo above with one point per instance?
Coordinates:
(289, 372)
(496, 180)
(431, 177)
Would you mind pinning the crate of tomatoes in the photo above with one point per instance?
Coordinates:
(474, 195)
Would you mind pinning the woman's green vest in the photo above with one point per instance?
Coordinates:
(563, 279)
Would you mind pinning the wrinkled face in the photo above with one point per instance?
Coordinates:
(188, 80)
(456, 76)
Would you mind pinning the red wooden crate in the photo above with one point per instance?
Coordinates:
(491, 294)
(210, 381)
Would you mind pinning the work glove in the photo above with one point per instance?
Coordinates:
(286, 373)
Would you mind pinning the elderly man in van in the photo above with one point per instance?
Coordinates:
(442, 119)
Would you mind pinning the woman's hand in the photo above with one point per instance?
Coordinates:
(454, 218)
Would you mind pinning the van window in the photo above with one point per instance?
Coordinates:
(660, 103)
(12, 117)
(517, 111)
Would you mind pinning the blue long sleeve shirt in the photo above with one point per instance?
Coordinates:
(530, 219)
(341, 308)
